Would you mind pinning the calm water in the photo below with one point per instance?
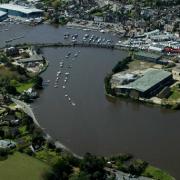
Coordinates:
(96, 124)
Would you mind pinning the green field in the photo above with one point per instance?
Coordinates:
(175, 93)
(21, 167)
(24, 86)
(156, 173)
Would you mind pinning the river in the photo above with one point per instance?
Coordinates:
(96, 124)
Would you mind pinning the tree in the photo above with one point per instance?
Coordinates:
(80, 176)
(11, 90)
(38, 82)
(56, 4)
(60, 171)
(93, 166)
(121, 65)
(3, 152)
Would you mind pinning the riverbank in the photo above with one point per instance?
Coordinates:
(136, 69)
(93, 71)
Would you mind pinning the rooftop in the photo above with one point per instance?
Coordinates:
(147, 54)
(19, 8)
(150, 78)
(33, 58)
(2, 13)
(7, 144)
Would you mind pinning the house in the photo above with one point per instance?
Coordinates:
(7, 144)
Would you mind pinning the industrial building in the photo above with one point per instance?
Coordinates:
(21, 11)
(148, 85)
(3, 15)
(121, 79)
(146, 56)
(33, 58)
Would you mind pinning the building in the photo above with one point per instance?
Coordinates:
(120, 79)
(12, 51)
(7, 144)
(98, 18)
(147, 56)
(3, 15)
(33, 58)
(21, 11)
(155, 49)
(148, 85)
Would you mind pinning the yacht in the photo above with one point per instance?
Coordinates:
(67, 73)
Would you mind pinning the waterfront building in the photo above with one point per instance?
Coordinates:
(120, 79)
(21, 11)
(147, 56)
(3, 15)
(32, 59)
(156, 48)
(148, 85)
(7, 144)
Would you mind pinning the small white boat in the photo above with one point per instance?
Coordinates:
(63, 87)
(67, 73)
(102, 31)
(69, 99)
(66, 95)
(73, 104)
(55, 86)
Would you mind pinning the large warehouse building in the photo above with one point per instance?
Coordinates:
(150, 84)
(21, 11)
(3, 15)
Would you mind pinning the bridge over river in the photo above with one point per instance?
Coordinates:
(70, 44)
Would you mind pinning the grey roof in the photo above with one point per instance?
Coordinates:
(19, 8)
(33, 58)
(7, 143)
(150, 78)
(2, 13)
(147, 54)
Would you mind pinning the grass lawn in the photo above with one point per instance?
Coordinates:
(48, 156)
(6, 72)
(156, 173)
(139, 65)
(24, 86)
(175, 93)
(21, 167)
